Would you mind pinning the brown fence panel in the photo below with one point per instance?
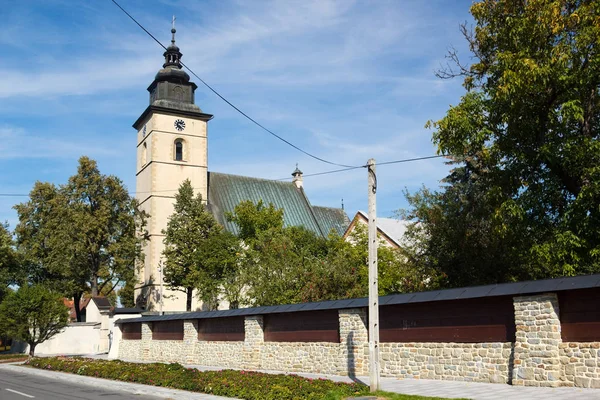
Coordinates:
(221, 329)
(580, 315)
(304, 326)
(167, 330)
(132, 331)
(460, 321)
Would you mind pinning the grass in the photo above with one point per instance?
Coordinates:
(4, 358)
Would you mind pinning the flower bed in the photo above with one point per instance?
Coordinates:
(241, 384)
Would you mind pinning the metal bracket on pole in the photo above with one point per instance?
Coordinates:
(373, 281)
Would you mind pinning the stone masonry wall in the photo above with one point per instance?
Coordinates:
(536, 356)
(353, 337)
(220, 354)
(580, 364)
(475, 362)
(318, 357)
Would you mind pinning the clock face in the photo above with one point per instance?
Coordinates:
(179, 124)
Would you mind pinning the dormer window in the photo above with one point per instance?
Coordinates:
(178, 149)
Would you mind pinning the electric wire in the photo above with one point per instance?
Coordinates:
(227, 101)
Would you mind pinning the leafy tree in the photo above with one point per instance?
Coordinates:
(83, 236)
(127, 294)
(188, 236)
(252, 219)
(8, 260)
(525, 191)
(33, 314)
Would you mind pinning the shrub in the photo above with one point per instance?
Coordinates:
(247, 385)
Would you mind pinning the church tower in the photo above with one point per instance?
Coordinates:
(171, 147)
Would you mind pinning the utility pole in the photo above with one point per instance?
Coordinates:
(373, 281)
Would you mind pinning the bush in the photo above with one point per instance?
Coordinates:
(247, 385)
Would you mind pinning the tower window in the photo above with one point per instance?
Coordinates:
(179, 150)
(144, 154)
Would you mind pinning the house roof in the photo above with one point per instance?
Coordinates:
(393, 229)
(126, 310)
(102, 302)
(331, 218)
(473, 292)
(226, 191)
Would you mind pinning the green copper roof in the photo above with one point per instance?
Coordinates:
(331, 218)
(227, 191)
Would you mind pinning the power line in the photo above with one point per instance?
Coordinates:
(280, 179)
(410, 159)
(227, 101)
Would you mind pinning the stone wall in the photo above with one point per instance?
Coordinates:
(580, 364)
(537, 358)
(475, 362)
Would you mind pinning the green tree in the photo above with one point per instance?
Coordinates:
(187, 243)
(525, 144)
(84, 236)
(251, 219)
(127, 294)
(33, 314)
(8, 261)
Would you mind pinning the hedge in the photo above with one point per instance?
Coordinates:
(247, 385)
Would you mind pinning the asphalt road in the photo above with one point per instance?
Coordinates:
(21, 386)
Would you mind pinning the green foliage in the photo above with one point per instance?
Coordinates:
(522, 201)
(199, 254)
(9, 265)
(83, 236)
(33, 314)
(126, 294)
(252, 219)
(239, 384)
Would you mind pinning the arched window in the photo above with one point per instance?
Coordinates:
(144, 154)
(179, 150)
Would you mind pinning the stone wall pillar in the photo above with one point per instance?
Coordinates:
(146, 340)
(536, 356)
(354, 339)
(253, 341)
(190, 337)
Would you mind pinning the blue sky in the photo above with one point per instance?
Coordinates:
(345, 80)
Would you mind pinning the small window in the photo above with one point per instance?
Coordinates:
(179, 150)
(144, 154)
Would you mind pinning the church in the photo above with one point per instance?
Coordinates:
(172, 146)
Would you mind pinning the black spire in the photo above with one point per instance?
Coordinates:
(172, 55)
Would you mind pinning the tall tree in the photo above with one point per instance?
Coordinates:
(525, 140)
(33, 314)
(8, 260)
(253, 218)
(187, 236)
(83, 236)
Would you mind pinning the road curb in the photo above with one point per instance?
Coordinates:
(132, 388)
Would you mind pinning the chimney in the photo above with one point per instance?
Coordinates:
(297, 174)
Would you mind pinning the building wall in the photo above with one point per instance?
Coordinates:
(538, 357)
(78, 338)
(158, 178)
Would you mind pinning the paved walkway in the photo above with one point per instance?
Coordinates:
(423, 387)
